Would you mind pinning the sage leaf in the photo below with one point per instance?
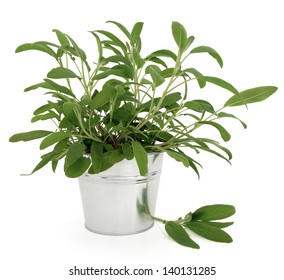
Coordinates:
(178, 157)
(213, 212)
(141, 157)
(75, 151)
(219, 224)
(222, 83)
(99, 44)
(223, 132)
(122, 28)
(42, 163)
(127, 150)
(116, 157)
(209, 232)
(162, 53)
(28, 136)
(113, 38)
(59, 88)
(212, 52)
(199, 106)
(47, 116)
(61, 73)
(63, 40)
(199, 77)
(97, 156)
(178, 234)
(179, 34)
(36, 46)
(39, 85)
(138, 59)
(68, 107)
(103, 97)
(226, 115)
(43, 109)
(78, 168)
(156, 77)
(252, 95)
(136, 31)
(53, 138)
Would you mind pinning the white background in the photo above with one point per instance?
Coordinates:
(42, 229)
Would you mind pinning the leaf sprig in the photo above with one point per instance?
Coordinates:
(204, 222)
(129, 103)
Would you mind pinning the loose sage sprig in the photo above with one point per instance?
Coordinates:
(204, 222)
(129, 104)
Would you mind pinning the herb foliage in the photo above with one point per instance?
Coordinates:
(129, 104)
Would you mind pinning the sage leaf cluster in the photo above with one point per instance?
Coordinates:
(204, 222)
(129, 104)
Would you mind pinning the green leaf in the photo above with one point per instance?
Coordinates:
(199, 106)
(199, 77)
(42, 163)
(114, 39)
(50, 115)
(162, 53)
(178, 234)
(99, 44)
(219, 224)
(212, 52)
(61, 37)
(136, 31)
(138, 59)
(68, 107)
(167, 73)
(223, 132)
(78, 168)
(103, 97)
(158, 61)
(106, 164)
(116, 157)
(39, 85)
(213, 212)
(169, 100)
(179, 34)
(119, 70)
(178, 157)
(189, 42)
(141, 157)
(28, 136)
(59, 88)
(97, 156)
(215, 143)
(61, 73)
(127, 150)
(251, 96)
(211, 151)
(53, 138)
(79, 52)
(209, 232)
(122, 28)
(43, 109)
(36, 46)
(156, 77)
(75, 151)
(221, 83)
(226, 115)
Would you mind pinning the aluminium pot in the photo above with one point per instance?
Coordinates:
(119, 201)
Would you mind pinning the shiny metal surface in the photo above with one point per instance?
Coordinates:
(119, 201)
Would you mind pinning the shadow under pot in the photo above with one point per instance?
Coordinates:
(119, 201)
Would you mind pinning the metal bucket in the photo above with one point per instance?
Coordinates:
(119, 201)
